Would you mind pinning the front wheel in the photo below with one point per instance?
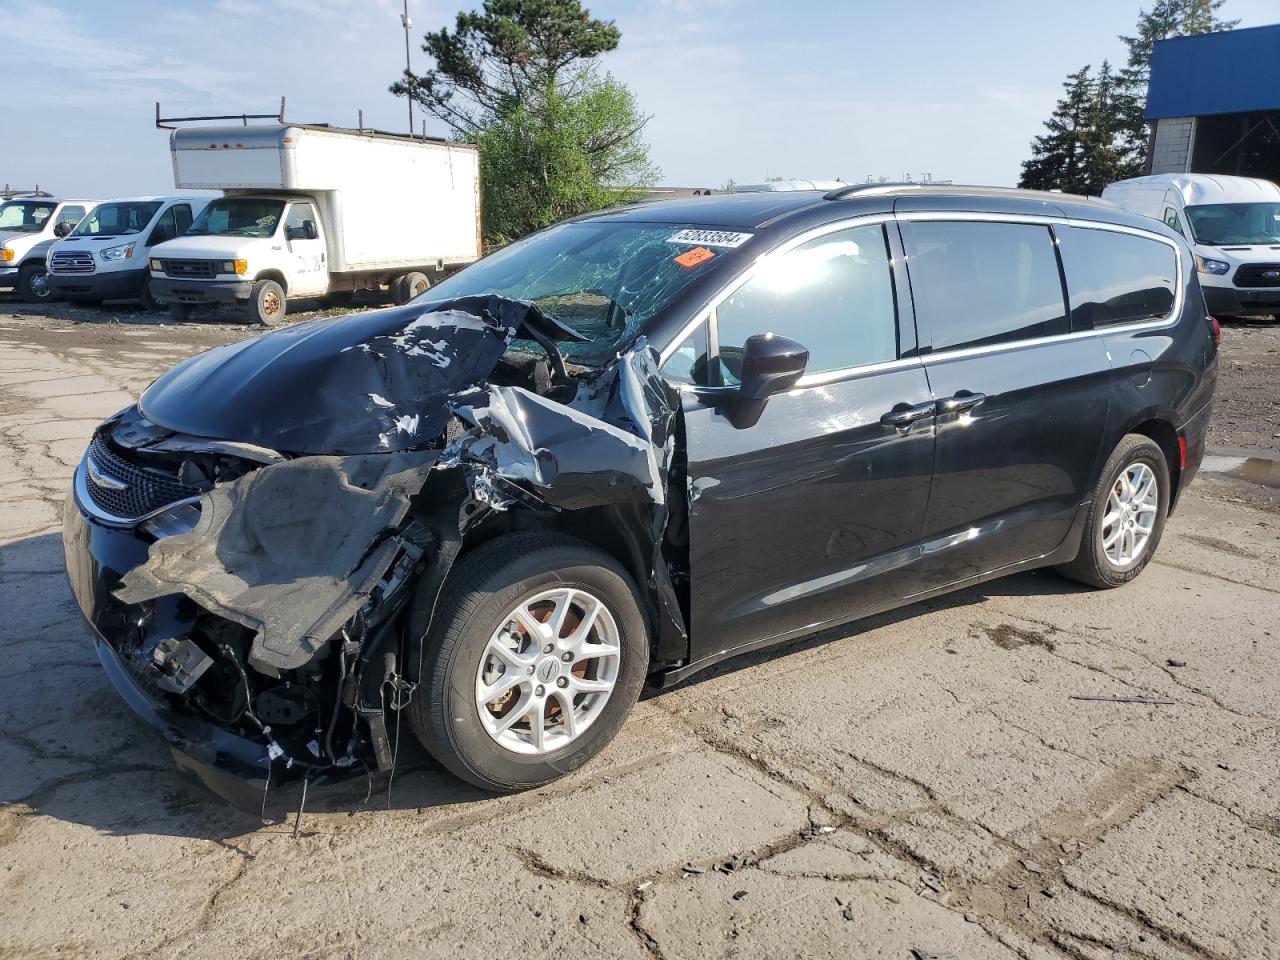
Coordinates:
(538, 652)
(1126, 517)
(266, 303)
(148, 299)
(33, 284)
(180, 312)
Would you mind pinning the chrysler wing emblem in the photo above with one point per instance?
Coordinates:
(101, 479)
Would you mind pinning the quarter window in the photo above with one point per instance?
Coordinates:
(1172, 219)
(978, 284)
(1117, 277)
(833, 294)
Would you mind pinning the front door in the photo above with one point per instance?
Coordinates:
(813, 514)
(309, 275)
(1022, 407)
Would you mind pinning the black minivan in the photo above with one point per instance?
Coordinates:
(621, 450)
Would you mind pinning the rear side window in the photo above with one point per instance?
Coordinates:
(833, 294)
(978, 284)
(1116, 277)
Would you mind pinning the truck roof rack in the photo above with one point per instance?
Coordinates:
(164, 123)
(8, 193)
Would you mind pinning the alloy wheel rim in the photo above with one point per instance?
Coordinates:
(1130, 517)
(548, 671)
(40, 285)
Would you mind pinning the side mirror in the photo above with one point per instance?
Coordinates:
(309, 229)
(62, 228)
(770, 365)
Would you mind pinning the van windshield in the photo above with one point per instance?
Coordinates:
(1225, 224)
(238, 217)
(603, 279)
(25, 216)
(117, 219)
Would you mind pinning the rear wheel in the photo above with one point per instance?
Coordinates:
(1126, 517)
(266, 304)
(415, 285)
(538, 652)
(33, 284)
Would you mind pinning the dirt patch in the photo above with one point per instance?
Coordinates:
(1222, 546)
(1008, 637)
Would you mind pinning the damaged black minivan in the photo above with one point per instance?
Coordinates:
(621, 450)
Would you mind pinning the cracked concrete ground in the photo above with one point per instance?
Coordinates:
(920, 780)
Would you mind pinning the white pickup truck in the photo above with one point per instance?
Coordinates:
(313, 211)
(29, 224)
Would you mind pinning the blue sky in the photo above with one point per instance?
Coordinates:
(739, 89)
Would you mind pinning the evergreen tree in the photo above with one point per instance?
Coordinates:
(1167, 18)
(1057, 156)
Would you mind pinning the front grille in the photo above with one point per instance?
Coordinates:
(190, 269)
(145, 491)
(71, 261)
(1256, 275)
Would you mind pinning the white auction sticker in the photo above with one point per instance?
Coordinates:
(710, 238)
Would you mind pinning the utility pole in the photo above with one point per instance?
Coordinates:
(408, 25)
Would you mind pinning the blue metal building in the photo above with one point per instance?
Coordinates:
(1214, 104)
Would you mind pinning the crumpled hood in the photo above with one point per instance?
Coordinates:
(361, 383)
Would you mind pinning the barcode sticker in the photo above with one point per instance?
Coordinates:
(710, 238)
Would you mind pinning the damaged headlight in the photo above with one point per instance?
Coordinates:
(180, 518)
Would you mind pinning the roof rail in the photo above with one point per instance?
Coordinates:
(854, 189)
(163, 123)
(8, 193)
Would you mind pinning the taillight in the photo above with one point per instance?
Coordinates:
(1215, 328)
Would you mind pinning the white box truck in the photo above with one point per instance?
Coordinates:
(311, 211)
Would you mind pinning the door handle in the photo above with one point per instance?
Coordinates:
(962, 401)
(903, 415)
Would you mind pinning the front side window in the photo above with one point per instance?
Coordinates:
(1227, 224)
(1172, 219)
(166, 228)
(181, 217)
(833, 294)
(603, 278)
(25, 216)
(238, 217)
(117, 219)
(294, 224)
(688, 362)
(1117, 277)
(977, 284)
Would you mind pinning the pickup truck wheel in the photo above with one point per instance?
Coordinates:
(33, 284)
(147, 298)
(180, 312)
(266, 303)
(537, 653)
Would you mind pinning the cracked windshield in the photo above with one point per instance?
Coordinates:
(603, 279)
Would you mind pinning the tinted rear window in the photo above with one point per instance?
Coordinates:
(979, 284)
(1116, 277)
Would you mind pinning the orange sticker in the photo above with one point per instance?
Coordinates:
(691, 258)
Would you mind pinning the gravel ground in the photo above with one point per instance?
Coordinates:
(921, 781)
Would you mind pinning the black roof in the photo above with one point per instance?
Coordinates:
(803, 207)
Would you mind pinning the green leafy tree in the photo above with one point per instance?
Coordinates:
(1166, 19)
(521, 79)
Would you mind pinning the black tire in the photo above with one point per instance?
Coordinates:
(1091, 565)
(266, 304)
(485, 586)
(147, 298)
(414, 285)
(397, 290)
(180, 312)
(339, 298)
(33, 284)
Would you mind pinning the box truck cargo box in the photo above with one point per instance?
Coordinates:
(312, 211)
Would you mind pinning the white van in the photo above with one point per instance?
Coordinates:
(105, 257)
(1233, 226)
(29, 224)
(316, 211)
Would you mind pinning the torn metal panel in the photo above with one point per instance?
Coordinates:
(362, 383)
(290, 551)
